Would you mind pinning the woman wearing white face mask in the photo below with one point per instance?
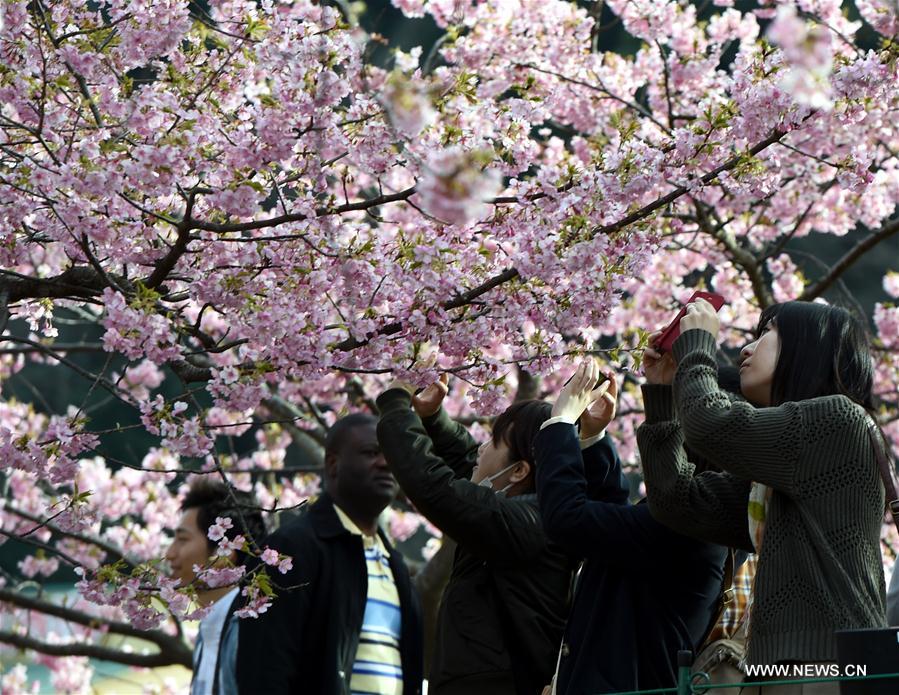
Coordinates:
(503, 611)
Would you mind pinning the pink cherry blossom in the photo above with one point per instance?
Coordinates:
(456, 185)
(217, 531)
(264, 233)
(215, 577)
(891, 284)
(33, 566)
(269, 556)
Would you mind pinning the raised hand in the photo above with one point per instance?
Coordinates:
(429, 400)
(578, 393)
(602, 410)
(658, 367)
(700, 314)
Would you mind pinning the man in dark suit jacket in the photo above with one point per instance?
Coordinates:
(344, 618)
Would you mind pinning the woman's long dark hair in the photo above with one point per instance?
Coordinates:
(518, 426)
(824, 351)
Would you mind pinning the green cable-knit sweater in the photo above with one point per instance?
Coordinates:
(820, 567)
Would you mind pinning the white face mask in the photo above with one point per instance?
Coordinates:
(488, 481)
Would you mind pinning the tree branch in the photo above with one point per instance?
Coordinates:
(842, 265)
(95, 263)
(167, 263)
(511, 273)
(164, 657)
(79, 78)
(110, 550)
(528, 385)
(42, 546)
(299, 217)
(176, 650)
(740, 256)
(190, 373)
(74, 277)
(4, 308)
(60, 347)
(47, 350)
(640, 110)
(647, 210)
(310, 444)
(458, 302)
(78, 281)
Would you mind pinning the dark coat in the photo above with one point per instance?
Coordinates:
(644, 591)
(503, 611)
(306, 642)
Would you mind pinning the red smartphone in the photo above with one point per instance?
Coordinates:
(672, 330)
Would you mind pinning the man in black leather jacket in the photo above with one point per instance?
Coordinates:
(314, 638)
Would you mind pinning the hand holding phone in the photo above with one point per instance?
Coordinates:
(580, 391)
(602, 410)
(672, 330)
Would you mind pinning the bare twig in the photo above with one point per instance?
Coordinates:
(225, 228)
(110, 550)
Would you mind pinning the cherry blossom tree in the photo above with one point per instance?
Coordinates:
(250, 214)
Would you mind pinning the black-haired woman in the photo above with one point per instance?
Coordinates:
(801, 485)
(504, 608)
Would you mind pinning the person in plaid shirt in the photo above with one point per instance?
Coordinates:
(735, 611)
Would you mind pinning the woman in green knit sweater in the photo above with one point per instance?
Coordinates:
(800, 484)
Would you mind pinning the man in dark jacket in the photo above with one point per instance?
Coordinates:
(503, 611)
(344, 618)
(644, 592)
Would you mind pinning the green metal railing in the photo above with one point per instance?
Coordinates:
(689, 683)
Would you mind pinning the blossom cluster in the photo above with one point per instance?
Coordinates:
(267, 226)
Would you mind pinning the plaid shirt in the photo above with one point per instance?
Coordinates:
(735, 612)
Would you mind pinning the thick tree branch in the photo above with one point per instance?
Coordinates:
(741, 257)
(528, 385)
(841, 266)
(4, 308)
(190, 373)
(80, 282)
(174, 649)
(164, 657)
(167, 263)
